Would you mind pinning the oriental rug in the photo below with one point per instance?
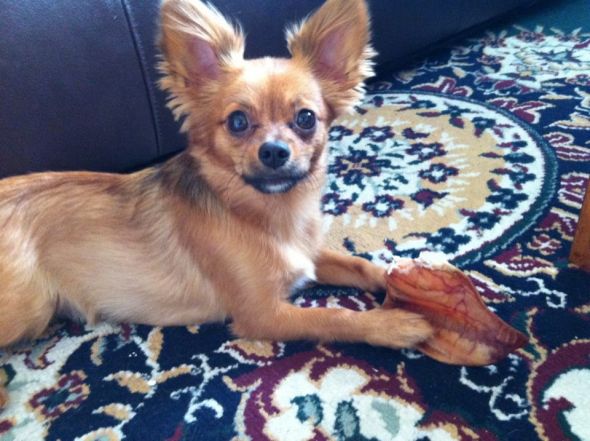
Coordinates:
(481, 152)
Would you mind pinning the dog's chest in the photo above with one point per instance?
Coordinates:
(299, 264)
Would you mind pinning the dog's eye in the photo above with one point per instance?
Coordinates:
(305, 119)
(237, 122)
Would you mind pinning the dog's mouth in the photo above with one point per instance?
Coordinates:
(274, 184)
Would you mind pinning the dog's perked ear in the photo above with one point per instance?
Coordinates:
(335, 43)
(198, 46)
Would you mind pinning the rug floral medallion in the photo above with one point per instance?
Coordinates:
(435, 173)
(481, 152)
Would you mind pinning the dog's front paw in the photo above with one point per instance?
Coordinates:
(396, 328)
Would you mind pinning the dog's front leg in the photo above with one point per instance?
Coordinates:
(271, 318)
(283, 321)
(334, 268)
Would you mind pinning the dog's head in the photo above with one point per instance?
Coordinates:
(262, 124)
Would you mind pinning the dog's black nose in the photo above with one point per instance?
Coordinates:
(274, 154)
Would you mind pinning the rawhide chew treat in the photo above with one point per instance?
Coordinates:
(466, 332)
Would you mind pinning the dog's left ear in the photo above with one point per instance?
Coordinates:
(335, 43)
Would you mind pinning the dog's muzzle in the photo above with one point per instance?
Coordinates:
(271, 183)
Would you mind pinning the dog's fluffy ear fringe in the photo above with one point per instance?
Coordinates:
(188, 27)
(334, 42)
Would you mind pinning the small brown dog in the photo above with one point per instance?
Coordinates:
(226, 228)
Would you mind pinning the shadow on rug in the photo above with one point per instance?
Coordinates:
(481, 153)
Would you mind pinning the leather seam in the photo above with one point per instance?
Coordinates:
(144, 72)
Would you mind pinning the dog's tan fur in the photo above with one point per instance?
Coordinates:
(190, 241)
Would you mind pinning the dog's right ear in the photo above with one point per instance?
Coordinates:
(197, 41)
(198, 46)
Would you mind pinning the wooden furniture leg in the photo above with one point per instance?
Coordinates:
(580, 253)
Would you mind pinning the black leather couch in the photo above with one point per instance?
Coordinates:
(78, 83)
